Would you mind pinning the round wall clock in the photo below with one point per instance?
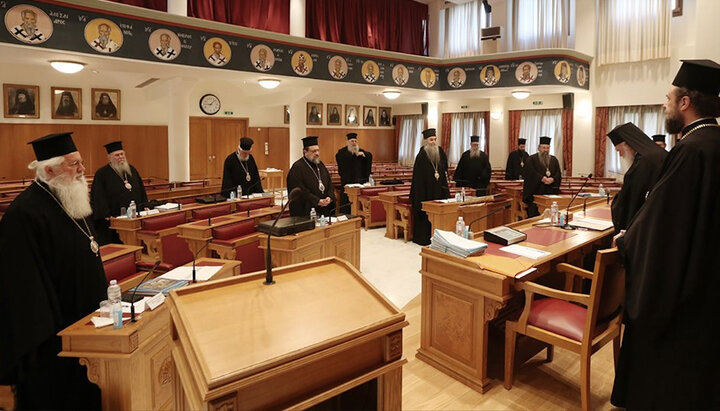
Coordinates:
(209, 104)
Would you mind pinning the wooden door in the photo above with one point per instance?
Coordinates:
(199, 154)
(211, 140)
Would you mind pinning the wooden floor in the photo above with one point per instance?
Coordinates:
(538, 385)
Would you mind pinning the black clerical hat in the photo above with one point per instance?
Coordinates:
(351, 136)
(246, 143)
(659, 137)
(474, 139)
(699, 75)
(522, 141)
(634, 137)
(53, 145)
(310, 141)
(113, 146)
(429, 133)
(544, 140)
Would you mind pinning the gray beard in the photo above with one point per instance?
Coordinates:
(243, 157)
(29, 28)
(123, 169)
(104, 40)
(433, 153)
(474, 152)
(315, 161)
(353, 149)
(626, 163)
(544, 159)
(73, 194)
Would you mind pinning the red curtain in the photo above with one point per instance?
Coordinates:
(486, 123)
(601, 124)
(567, 136)
(398, 125)
(514, 129)
(160, 5)
(445, 131)
(396, 25)
(270, 15)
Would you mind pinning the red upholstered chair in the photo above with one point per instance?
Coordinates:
(254, 204)
(209, 212)
(239, 241)
(370, 207)
(582, 323)
(160, 235)
(403, 220)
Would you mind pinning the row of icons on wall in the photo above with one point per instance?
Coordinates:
(23, 101)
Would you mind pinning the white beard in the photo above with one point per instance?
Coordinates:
(353, 149)
(122, 168)
(474, 152)
(626, 163)
(243, 157)
(433, 153)
(73, 194)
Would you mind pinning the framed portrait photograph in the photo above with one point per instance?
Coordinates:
(334, 117)
(105, 104)
(352, 115)
(314, 114)
(385, 117)
(286, 114)
(21, 101)
(66, 103)
(369, 116)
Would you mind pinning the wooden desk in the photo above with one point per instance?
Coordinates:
(273, 179)
(353, 193)
(337, 240)
(320, 331)
(197, 233)
(389, 200)
(463, 300)
(544, 202)
(169, 194)
(133, 366)
(443, 216)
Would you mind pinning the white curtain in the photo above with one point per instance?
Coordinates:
(541, 24)
(537, 123)
(462, 29)
(633, 30)
(462, 126)
(650, 119)
(411, 129)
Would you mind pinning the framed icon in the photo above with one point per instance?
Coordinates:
(385, 117)
(105, 104)
(352, 118)
(286, 114)
(334, 114)
(21, 101)
(66, 103)
(369, 113)
(314, 114)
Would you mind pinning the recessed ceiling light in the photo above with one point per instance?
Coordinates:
(67, 67)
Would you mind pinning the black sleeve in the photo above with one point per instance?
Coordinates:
(99, 196)
(227, 183)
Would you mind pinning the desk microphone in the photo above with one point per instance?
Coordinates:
(567, 225)
(195, 258)
(132, 299)
(292, 196)
(489, 214)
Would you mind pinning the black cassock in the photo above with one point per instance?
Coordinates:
(109, 194)
(235, 174)
(353, 170)
(669, 355)
(638, 180)
(49, 279)
(304, 174)
(532, 173)
(473, 172)
(515, 163)
(424, 188)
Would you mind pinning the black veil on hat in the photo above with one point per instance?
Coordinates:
(635, 138)
(699, 75)
(310, 141)
(545, 140)
(246, 143)
(113, 146)
(53, 145)
(429, 133)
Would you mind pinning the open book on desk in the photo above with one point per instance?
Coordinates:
(590, 223)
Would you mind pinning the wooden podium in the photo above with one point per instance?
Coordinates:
(321, 331)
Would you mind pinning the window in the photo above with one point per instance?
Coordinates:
(540, 24)
(537, 123)
(650, 119)
(462, 29)
(462, 126)
(410, 138)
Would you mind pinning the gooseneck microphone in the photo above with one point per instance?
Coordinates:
(567, 225)
(292, 196)
(194, 280)
(489, 214)
(132, 299)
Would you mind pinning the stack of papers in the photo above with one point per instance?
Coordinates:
(589, 223)
(202, 273)
(168, 207)
(451, 243)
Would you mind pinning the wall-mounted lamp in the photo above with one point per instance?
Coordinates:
(496, 115)
(268, 83)
(584, 109)
(67, 67)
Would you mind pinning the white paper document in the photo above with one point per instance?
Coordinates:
(524, 251)
(202, 273)
(592, 223)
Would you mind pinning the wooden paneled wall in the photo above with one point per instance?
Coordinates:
(146, 146)
(278, 141)
(380, 142)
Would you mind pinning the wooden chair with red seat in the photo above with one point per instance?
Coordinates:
(239, 241)
(210, 212)
(160, 235)
(582, 323)
(403, 220)
(370, 207)
(254, 204)
(122, 263)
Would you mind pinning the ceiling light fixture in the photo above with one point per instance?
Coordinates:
(269, 83)
(391, 94)
(520, 94)
(67, 67)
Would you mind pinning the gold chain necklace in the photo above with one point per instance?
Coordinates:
(125, 180)
(247, 170)
(94, 247)
(699, 126)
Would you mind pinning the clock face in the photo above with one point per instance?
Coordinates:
(209, 104)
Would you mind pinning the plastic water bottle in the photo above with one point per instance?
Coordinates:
(239, 192)
(114, 294)
(601, 190)
(232, 195)
(554, 214)
(132, 210)
(460, 227)
(371, 181)
(313, 215)
(462, 194)
(322, 221)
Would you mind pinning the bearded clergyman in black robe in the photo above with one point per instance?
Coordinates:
(354, 167)
(669, 354)
(516, 161)
(114, 186)
(240, 169)
(51, 276)
(641, 161)
(541, 176)
(429, 182)
(473, 170)
(312, 177)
